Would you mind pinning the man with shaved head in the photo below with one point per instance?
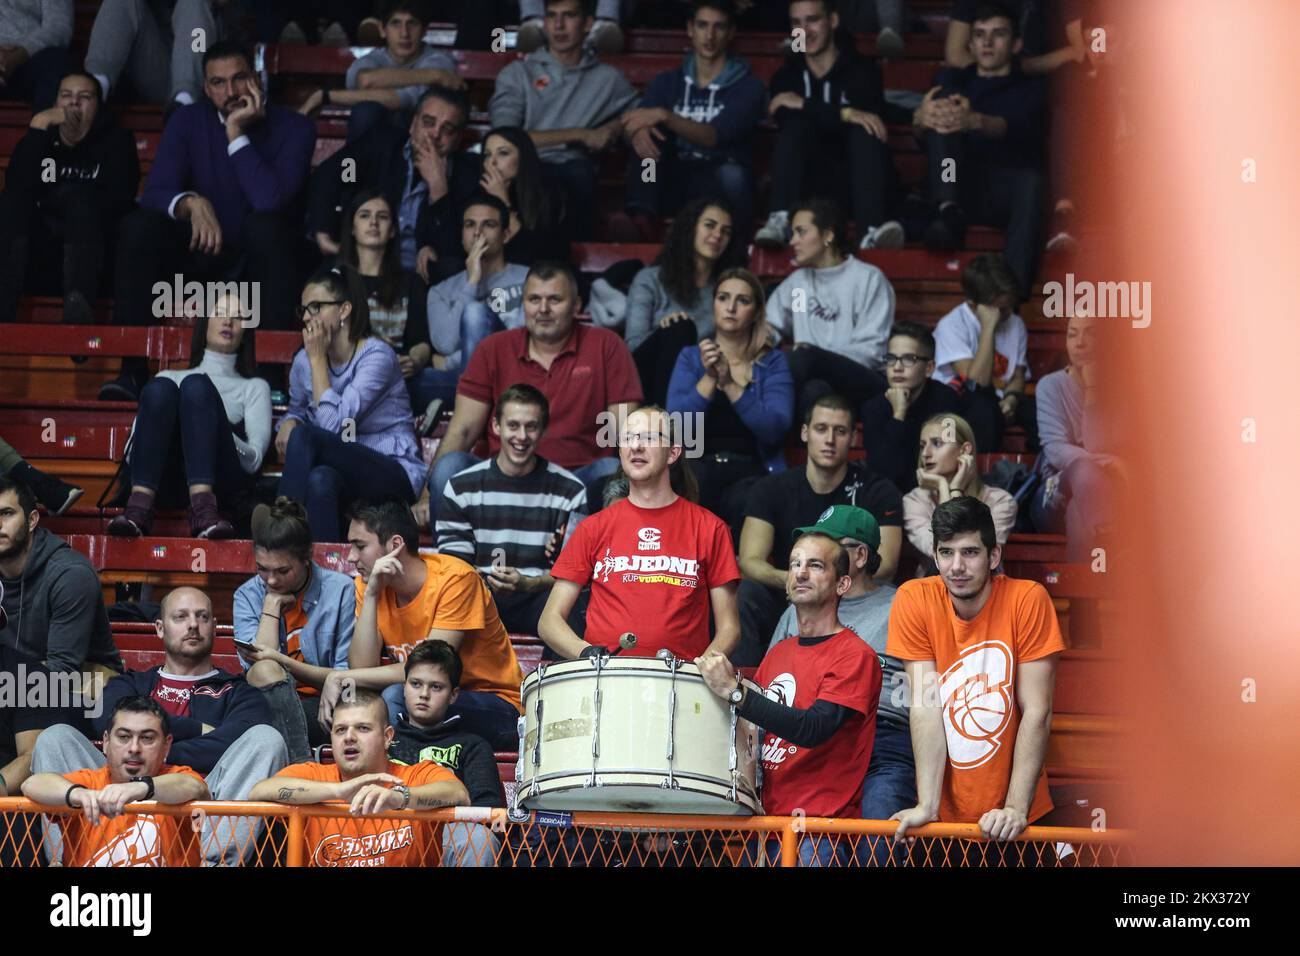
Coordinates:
(219, 723)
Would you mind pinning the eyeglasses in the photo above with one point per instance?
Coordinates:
(907, 361)
(313, 308)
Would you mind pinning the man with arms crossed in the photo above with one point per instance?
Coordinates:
(988, 644)
(657, 563)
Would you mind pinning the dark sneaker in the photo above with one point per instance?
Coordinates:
(947, 230)
(136, 519)
(430, 420)
(124, 388)
(206, 520)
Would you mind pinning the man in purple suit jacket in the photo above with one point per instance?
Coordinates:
(223, 203)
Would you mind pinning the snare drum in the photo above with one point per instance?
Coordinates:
(633, 734)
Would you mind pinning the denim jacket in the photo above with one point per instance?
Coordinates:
(330, 604)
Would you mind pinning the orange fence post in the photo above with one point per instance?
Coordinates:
(789, 844)
(297, 839)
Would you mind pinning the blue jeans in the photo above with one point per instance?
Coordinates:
(815, 849)
(677, 181)
(592, 475)
(890, 786)
(481, 713)
(192, 416)
(477, 322)
(326, 474)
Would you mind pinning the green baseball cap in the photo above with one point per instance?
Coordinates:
(846, 521)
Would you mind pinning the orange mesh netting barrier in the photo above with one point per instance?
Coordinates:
(271, 835)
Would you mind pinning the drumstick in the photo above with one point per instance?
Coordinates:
(625, 642)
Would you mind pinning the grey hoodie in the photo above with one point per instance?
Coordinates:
(539, 93)
(56, 609)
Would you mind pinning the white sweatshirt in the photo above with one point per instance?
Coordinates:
(846, 309)
(247, 400)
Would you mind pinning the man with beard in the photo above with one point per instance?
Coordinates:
(219, 723)
(133, 769)
(52, 599)
(222, 203)
(363, 775)
(52, 623)
(71, 178)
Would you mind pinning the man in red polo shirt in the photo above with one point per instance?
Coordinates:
(583, 371)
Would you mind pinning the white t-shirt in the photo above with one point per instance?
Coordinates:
(957, 336)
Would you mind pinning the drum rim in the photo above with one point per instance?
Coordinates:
(648, 665)
(741, 792)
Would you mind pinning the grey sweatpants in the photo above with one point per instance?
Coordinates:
(257, 754)
(159, 57)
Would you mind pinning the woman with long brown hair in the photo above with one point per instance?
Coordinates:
(741, 392)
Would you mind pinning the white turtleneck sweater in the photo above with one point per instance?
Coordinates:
(247, 400)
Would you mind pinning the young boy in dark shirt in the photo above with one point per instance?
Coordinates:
(424, 732)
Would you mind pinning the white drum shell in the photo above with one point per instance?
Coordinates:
(632, 771)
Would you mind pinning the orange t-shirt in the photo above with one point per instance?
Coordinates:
(295, 619)
(453, 598)
(359, 841)
(130, 839)
(977, 661)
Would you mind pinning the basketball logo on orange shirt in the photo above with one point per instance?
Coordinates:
(976, 692)
(137, 845)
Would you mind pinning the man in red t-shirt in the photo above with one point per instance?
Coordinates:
(650, 559)
(586, 373)
(815, 698)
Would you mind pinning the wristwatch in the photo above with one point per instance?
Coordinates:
(405, 791)
(148, 782)
(738, 693)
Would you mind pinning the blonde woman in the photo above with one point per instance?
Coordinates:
(742, 388)
(945, 469)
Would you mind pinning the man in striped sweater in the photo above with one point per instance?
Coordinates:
(508, 515)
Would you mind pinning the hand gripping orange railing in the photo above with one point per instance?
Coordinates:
(273, 835)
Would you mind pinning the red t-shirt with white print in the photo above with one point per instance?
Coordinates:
(826, 780)
(650, 571)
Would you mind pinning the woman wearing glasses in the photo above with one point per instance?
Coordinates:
(891, 421)
(348, 434)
